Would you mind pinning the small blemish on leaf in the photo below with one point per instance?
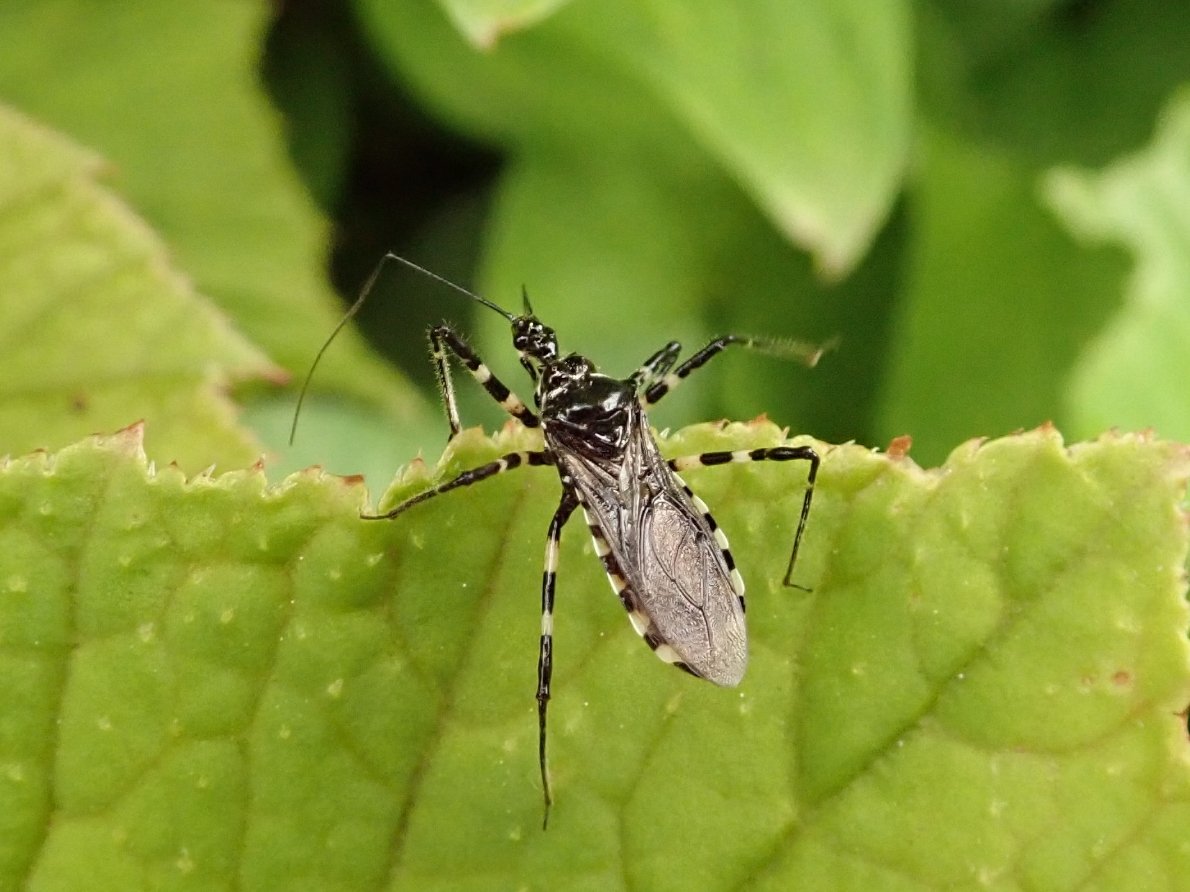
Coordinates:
(373, 559)
(146, 632)
(228, 614)
(103, 723)
(283, 732)
(185, 863)
(17, 583)
(15, 772)
(335, 688)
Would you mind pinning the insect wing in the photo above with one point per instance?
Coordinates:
(686, 590)
(663, 560)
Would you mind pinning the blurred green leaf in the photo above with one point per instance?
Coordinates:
(169, 93)
(96, 328)
(768, 96)
(808, 108)
(1133, 375)
(996, 307)
(485, 21)
(214, 683)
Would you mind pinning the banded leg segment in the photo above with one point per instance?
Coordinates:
(774, 453)
(807, 353)
(443, 338)
(504, 463)
(545, 658)
(656, 366)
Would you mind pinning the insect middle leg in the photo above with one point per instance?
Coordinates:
(545, 659)
(443, 338)
(773, 453)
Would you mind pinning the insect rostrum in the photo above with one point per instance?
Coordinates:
(666, 558)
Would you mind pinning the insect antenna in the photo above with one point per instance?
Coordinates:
(359, 302)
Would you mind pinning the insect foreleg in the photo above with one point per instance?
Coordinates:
(775, 453)
(807, 353)
(504, 463)
(443, 338)
(656, 366)
(545, 659)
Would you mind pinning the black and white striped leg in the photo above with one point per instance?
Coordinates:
(655, 367)
(443, 338)
(774, 453)
(504, 463)
(807, 353)
(668, 382)
(545, 659)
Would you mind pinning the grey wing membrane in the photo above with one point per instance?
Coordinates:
(676, 583)
(686, 590)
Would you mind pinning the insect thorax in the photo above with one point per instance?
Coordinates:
(585, 412)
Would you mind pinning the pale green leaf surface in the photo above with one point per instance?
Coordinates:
(1133, 374)
(215, 683)
(809, 108)
(170, 94)
(485, 21)
(768, 96)
(96, 328)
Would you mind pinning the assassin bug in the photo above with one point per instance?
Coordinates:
(664, 555)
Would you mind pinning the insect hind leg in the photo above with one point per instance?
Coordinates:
(545, 658)
(773, 453)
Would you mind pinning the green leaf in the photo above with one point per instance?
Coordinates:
(170, 95)
(97, 329)
(996, 306)
(1134, 373)
(807, 107)
(216, 683)
(766, 97)
(484, 21)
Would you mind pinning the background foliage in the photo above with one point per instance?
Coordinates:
(985, 202)
(961, 192)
